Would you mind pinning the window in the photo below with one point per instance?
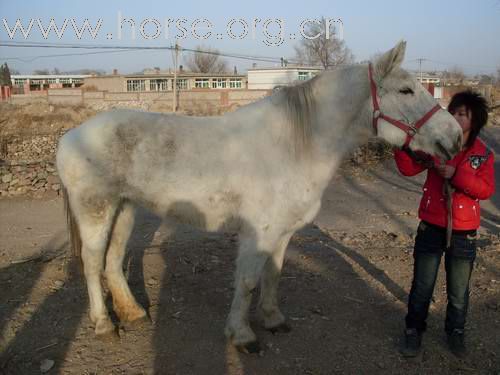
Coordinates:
(219, 83)
(201, 83)
(303, 76)
(182, 84)
(19, 81)
(158, 85)
(235, 83)
(136, 85)
(51, 80)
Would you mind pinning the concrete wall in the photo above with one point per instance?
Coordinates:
(190, 99)
(28, 99)
(65, 96)
(110, 83)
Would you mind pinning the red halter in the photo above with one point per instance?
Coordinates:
(409, 129)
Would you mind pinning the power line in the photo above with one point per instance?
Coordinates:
(27, 59)
(452, 63)
(137, 48)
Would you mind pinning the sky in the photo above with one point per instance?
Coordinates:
(447, 33)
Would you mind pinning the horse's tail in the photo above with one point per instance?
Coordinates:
(74, 232)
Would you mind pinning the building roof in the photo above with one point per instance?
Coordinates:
(171, 75)
(48, 76)
(281, 68)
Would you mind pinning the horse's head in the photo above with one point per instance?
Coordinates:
(407, 113)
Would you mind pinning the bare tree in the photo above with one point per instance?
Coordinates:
(455, 75)
(327, 49)
(206, 60)
(5, 75)
(485, 79)
(41, 72)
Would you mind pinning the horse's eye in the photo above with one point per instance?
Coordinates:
(406, 91)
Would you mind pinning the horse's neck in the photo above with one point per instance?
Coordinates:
(343, 114)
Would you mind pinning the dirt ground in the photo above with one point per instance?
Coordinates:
(344, 288)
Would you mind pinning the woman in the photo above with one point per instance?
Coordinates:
(471, 176)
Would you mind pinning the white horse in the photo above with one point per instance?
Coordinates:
(259, 171)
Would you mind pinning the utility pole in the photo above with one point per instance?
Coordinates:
(174, 99)
(420, 68)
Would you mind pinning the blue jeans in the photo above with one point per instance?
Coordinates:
(430, 243)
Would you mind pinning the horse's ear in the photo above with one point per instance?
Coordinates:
(393, 58)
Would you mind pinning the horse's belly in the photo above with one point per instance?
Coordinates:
(212, 212)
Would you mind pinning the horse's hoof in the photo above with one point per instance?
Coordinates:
(142, 322)
(250, 348)
(282, 328)
(108, 336)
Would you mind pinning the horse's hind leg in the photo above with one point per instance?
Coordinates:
(124, 303)
(268, 309)
(95, 218)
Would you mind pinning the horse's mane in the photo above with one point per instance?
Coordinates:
(300, 108)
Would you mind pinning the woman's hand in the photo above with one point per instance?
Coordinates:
(445, 171)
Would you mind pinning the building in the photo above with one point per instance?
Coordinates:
(428, 78)
(5, 92)
(24, 84)
(163, 81)
(270, 78)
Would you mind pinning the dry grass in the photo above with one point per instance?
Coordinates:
(40, 118)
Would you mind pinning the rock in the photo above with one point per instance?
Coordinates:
(53, 180)
(23, 181)
(46, 365)
(7, 178)
(58, 284)
(56, 187)
(152, 281)
(42, 175)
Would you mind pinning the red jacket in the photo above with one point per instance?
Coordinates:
(473, 180)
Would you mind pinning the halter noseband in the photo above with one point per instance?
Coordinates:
(409, 129)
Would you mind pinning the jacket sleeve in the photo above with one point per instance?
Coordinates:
(406, 164)
(478, 184)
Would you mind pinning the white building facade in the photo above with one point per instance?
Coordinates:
(271, 78)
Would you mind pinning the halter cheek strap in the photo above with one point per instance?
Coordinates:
(409, 129)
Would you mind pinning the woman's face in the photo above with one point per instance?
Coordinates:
(464, 118)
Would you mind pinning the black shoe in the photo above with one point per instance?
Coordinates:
(412, 343)
(456, 343)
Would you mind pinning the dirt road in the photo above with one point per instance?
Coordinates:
(344, 289)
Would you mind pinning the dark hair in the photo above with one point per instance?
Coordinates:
(476, 104)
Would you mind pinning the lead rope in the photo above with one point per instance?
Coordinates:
(449, 203)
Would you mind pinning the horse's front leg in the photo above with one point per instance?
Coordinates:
(249, 267)
(268, 310)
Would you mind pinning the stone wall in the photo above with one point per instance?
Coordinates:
(38, 179)
(27, 166)
(29, 149)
